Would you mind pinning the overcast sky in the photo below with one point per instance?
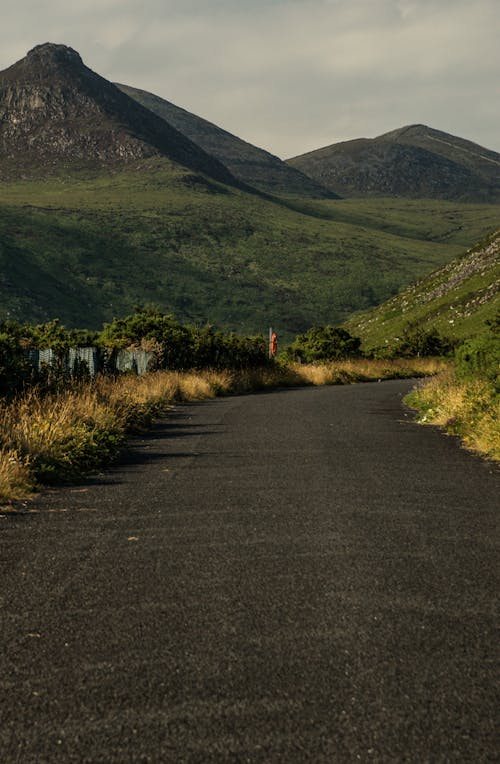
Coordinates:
(288, 75)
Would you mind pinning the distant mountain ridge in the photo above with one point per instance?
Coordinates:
(56, 112)
(252, 165)
(414, 161)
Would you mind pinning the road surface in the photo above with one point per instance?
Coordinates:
(295, 576)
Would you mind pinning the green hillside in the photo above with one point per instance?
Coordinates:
(89, 248)
(456, 299)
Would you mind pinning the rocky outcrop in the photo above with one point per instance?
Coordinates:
(43, 122)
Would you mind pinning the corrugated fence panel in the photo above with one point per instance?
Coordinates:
(46, 357)
(88, 359)
(139, 361)
(91, 360)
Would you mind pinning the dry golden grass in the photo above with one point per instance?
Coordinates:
(366, 369)
(15, 476)
(163, 387)
(468, 408)
(321, 374)
(52, 436)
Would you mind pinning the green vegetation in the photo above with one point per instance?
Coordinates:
(88, 249)
(417, 341)
(480, 357)
(465, 400)
(177, 346)
(456, 301)
(14, 367)
(323, 343)
(172, 344)
(16, 372)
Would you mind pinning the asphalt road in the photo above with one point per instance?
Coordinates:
(297, 576)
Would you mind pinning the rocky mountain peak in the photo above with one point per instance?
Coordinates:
(56, 112)
(50, 52)
(408, 131)
(44, 63)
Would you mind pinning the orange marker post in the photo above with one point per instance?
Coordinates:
(273, 343)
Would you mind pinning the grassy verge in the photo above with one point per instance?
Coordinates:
(62, 436)
(468, 408)
(366, 370)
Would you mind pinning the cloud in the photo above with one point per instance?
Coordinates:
(289, 75)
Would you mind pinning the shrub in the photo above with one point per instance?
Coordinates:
(469, 408)
(53, 334)
(418, 341)
(14, 367)
(323, 343)
(480, 357)
(184, 347)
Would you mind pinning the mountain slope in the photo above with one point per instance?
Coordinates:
(250, 164)
(57, 114)
(456, 299)
(414, 161)
(88, 249)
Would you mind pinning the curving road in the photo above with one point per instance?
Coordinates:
(296, 576)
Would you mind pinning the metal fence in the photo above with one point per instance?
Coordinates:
(91, 360)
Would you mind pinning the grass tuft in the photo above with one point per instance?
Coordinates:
(16, 480)
(467, 408)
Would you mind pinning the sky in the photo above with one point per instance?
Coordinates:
(289, 76)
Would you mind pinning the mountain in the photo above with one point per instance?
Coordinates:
(104, 206)
(456, 299)
(414, 162)
(57, 114)
(254, 166)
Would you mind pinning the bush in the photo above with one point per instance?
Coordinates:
(184, 347)
(480, 357)
(14, 367)
(417, 341)
(323, 343)
(53, 334)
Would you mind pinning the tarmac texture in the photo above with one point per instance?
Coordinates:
(296, 576)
